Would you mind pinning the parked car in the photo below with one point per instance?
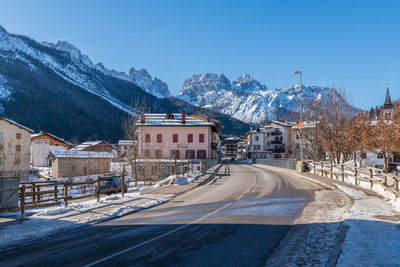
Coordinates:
(110, 183)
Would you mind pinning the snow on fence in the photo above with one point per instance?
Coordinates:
(364, 177)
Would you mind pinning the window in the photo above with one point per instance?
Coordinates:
(256, 138)
(147, 138)
(158, 154)
(175, 154)
(363, 155)
(17, 161)
(159, 138)
(201, 154)
(380, 156)
(175, 138)
(256, 147)
(85, 170)
(190, 154)
(190, 138)
(201, 138)
(147, 153)
(18, 148)
(18, 136)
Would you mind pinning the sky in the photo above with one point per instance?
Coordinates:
(351, 45)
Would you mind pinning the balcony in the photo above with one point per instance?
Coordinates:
(276, 133)
(276, 142)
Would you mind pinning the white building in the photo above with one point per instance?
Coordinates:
(15, 142)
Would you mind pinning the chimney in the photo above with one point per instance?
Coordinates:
(183, 117)
(142, 118)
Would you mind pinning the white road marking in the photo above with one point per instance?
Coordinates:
(170, 232)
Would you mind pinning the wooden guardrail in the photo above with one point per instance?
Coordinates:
(37, 194)
(343, 172)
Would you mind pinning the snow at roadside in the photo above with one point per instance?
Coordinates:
(370, 241)
(50, 220)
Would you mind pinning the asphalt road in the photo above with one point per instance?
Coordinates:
(236, 219)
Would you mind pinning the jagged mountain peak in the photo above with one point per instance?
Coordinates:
(246, 83)
(66, 46)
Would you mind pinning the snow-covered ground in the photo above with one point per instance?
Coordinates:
(55, 219)
(373, 238)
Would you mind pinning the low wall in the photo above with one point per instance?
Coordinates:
(209, 163)
(280, 163)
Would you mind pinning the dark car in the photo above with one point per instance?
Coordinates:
(110, 185)
(233, 159)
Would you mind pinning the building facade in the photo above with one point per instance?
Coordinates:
(67, 163)
(174, 136)
(14, 149)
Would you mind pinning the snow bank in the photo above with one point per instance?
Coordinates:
(370, 240)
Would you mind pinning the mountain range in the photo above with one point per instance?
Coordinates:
(246, 99)
(55, 88)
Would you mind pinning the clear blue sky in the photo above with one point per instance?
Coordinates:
(353, 45)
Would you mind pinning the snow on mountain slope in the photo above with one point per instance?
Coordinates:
(246, 99)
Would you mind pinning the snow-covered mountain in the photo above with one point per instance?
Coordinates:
(247, 99)
(56, 88)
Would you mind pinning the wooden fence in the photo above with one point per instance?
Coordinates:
(37, 194)
(356, 175)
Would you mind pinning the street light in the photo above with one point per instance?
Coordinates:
(301, 116)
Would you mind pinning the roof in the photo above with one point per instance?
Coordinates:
(87, 144)
(80, 154)
(160, 119)
(125, 142)
(52, 135)
(202, 115)
(18, 125)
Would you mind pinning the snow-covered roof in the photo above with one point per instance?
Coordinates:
(85, 145)
(125, 142)
(80, 154)
(52, 135)
(18, 125)
(160, 119)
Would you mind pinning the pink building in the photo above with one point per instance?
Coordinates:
(174, 135)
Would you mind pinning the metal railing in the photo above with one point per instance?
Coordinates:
(279, 163)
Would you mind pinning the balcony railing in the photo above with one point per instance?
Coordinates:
(276, 133)
(276, 142)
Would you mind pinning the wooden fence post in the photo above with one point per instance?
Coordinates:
(314, 166)
(192, 167)
(322, 169)
(33, 192)
(372, 178)
(342, 172)
(397, 183)
(65, 195)
(55, 192)
(98, 190)
(22, 202)
(355, 175)
(385, 180)
(331, 170)
(123, 183)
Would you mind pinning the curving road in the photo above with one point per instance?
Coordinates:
(236, 219)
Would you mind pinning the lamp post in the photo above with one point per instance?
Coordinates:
(301, 115)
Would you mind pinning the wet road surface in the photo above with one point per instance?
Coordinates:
(236, 219)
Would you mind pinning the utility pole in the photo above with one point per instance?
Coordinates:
(301, 115)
